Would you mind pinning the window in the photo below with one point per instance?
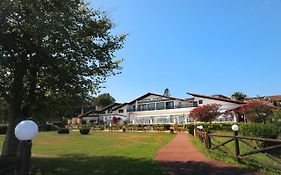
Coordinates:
(151, 106)
(160, 105)
(200, 102)
(170, 105)
(120, 111)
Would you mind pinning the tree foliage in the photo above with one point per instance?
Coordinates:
(51, 48)
(167, 92)
(205, 113)
(240, 96)
(256, 111)
(103, 100)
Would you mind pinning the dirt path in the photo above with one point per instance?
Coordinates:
(180, 157)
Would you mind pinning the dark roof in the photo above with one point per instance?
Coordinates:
(221, 96)
(215, 98)
(119, 106)
(148, 94)
(111, 106)
(100, 111)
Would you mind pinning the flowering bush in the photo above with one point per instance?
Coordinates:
(205, 113)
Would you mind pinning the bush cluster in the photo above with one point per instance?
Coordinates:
(3, 129)
(271, 131)
(84, 131)
(63, 131)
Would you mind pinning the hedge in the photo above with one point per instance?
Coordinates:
(84, 131)
(63, 131)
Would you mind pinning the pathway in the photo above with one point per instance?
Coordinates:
(181, 157)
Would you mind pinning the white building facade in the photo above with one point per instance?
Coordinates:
(152, 109)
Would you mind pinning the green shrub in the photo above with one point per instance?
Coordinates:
(3, 129)
(166, 127)
(271, 131)
(84, 131)
(49, 128)
(190, 128)
(63, 131)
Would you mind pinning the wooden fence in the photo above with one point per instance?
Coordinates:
(208, 140)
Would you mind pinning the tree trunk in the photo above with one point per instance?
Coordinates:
(11, 142)
(10, 145)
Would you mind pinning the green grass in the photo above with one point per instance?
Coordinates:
(259, 161)
(99, 153)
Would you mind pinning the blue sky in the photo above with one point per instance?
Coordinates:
(205, 47)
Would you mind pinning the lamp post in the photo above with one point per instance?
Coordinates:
(25, 131)
(235, 129)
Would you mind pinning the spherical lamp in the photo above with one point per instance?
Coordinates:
(235, 127)
(26, 130)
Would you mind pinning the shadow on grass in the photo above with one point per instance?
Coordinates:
(203, 168)
(84, 165)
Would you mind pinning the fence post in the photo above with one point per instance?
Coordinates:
(208, 140)
(236, 143)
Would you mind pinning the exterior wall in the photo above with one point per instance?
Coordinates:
(224, 105)
(166, 116)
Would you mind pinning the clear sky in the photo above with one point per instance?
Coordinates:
(206, 47)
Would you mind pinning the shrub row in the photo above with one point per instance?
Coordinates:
(83, 131)
(209, 127)
(63, 131)
(271, 131)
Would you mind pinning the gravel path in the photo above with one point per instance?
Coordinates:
(181, 157)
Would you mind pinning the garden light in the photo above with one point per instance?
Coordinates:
(26, 130)
(235, 127)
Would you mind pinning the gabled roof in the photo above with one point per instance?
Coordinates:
(215, 98)
(100, 111)
(110, 107)
(148, 94)
(119, 106)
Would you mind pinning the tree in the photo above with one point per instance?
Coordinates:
(256, 111)
(62, 48)
(240, 96)
(167, 92)
(103, 100)
(206, 113)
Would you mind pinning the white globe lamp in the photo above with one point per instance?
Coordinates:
(26, 130)
(235, 127)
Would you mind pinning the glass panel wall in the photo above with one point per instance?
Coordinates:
(159, 105)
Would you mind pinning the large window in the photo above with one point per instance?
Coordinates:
(142, 107)
(151, 106)
(170, 105)
(160, 105)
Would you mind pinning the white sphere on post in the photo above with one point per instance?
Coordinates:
(235, 127)
(26, 130)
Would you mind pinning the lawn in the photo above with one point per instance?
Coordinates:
(258, 161)
(101, 153)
